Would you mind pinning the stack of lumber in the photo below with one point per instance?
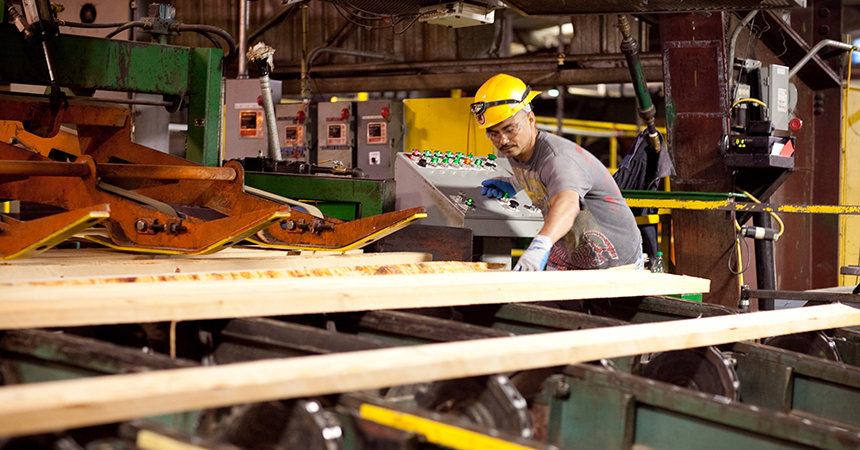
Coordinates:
(262, 286)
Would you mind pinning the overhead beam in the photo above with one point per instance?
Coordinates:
(27, 306)
(43, 407)
(467, 80)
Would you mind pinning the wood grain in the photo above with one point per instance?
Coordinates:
(53, 306)
(42, 407)
(387, 269)
(60, 264)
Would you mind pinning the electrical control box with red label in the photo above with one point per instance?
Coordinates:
(380, 136)
(297, 128)
(245, 133)
(336, 128)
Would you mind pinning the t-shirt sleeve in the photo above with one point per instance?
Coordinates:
(564, 172)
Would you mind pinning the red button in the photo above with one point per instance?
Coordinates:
(386, 112)
(344, 114)
(795, 124)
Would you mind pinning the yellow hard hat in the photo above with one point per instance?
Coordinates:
(500, 97)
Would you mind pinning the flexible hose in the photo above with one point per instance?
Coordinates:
(63, 23)
(206, 31)
(231, 43)
(124, 27)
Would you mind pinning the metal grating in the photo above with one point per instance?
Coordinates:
(559, 7)
(396, 7)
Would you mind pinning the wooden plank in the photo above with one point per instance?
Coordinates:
(88, 263)
(54, 306)
(387, 269)
(42, 407)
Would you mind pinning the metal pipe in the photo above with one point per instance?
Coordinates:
(306, 92)
(810, 296)
(44, 168)
(412, 65)
(156, 172)
(765, 263)
(647, 111)
(821, 44)
(734, 39)
(261, 54)
(340, 51)
(243, 38)
(280, 16)
(271, 120)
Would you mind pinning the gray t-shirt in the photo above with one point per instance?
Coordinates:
(604, 233)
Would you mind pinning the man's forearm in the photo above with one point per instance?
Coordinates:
(564, 207)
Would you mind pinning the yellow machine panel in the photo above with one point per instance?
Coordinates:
(444, 124)
(849, 225)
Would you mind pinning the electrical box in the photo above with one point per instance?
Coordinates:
(776, 93)
(94, 11)
(245, 132)
(380, 136)
(457, 14)
(336, 133)
(297, 129)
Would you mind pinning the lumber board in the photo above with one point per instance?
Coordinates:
(42, 407)
(387, 269)
(91, 263)
(54, 306)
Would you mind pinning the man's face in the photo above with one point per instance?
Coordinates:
(513, 136)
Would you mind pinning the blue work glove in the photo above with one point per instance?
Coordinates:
(535, 257)
(497, 188)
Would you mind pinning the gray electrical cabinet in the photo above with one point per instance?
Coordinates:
(380, 136)
(245, 132)
(297, 129)
(336, 133)
(776, 94)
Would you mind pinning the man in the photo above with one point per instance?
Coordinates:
(587, 224)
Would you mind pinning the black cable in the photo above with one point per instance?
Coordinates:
(362, 25)
(211, 38)
(394, 30)
(740, 238)
(91, 25)
(124, 27)
(231, 43)
(343, 9)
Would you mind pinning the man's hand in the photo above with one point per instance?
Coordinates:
(535, 257)
(497, 188)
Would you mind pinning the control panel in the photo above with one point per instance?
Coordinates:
(336, 133)
(245, 132)
(379, 136)
(448, 186)
(297, 129)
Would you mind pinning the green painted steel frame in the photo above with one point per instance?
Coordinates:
(87, 63)
(796, 383)
(373, 197)
(591, 407)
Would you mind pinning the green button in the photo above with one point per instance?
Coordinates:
(492, 157)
